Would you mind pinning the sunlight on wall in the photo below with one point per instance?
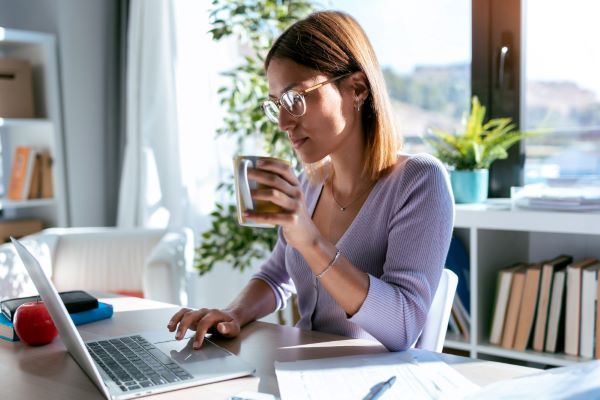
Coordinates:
(157, 216)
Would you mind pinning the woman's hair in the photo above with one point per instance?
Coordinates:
(333, 43)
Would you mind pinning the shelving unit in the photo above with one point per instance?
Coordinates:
(43, 131)
(497, 236)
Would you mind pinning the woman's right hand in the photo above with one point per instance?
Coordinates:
(202, 321)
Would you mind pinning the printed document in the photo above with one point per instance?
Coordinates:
(422, 375)
(419, 375)
(579, 381)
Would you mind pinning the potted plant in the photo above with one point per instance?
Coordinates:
(256, 24)
(469, 154)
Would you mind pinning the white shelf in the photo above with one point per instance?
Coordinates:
(558, 359)
(457, 344)
(499, 215)
(9, 122)
(11, 204)
(497, 236)
(44, 131)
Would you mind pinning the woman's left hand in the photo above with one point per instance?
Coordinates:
(283, 190)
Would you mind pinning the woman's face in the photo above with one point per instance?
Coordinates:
(330, 114)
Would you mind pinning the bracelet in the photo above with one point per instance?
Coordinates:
(333, 260)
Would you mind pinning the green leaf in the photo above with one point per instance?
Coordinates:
(480, 143)
(256, 24)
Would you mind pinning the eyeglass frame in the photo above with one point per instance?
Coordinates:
(301, 93)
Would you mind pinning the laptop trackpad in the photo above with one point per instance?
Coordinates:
(208, 357)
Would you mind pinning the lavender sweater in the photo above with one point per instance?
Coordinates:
(400, 238)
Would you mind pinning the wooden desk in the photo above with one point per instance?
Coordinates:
(48, 372)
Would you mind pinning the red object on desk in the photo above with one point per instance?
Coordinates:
(130, 293)
(33, 324)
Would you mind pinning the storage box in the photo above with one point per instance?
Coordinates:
(16, 90)
(18, 228)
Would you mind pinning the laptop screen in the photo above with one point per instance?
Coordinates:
(68, 333)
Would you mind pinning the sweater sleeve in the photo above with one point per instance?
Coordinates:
(419, 233)
(274, 273)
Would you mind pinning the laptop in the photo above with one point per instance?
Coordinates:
(137, 365)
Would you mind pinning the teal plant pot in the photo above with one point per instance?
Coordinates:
(470, 186)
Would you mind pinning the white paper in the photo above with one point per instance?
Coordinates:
(422, 375)
(418, 375)
(580, 381)
(565, 196)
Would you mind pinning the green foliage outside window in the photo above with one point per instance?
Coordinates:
(256, 23)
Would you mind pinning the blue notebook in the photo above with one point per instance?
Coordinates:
(103, 311)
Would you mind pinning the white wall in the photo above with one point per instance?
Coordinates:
(86, 47)
(221, 285)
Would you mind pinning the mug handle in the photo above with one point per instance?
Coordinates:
(244, 184)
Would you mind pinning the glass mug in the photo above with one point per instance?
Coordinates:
(243, 187)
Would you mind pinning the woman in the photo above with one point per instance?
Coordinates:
(365, 231)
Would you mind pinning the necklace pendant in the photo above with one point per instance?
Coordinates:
(342, 208)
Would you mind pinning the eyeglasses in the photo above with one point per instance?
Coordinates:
(293, 101)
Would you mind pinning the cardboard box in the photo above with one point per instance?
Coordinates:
(18, 228)
(16, 89)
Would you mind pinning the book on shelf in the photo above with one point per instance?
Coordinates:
(462, 317)
(21, 172)
(457, 261)
(35, 181)
(514, 307)
(589, 282)
(103, 311)
(528, 307)
(453, 325)
(573, 304)
(548, 269)
(556, 314)
(31, 174)
(503, 287)
(462, 325)
(46, 184)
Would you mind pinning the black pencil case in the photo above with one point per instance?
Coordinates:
(75, 301)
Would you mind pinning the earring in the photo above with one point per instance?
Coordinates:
(357, 105)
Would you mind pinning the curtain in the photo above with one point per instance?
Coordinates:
(173, 161)
(151, 191)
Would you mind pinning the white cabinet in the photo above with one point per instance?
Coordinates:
(498, 236)
(43, 131)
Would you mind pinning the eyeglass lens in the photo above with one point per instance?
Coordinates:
(291, 100)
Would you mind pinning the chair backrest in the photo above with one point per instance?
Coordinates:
(108, 259)
(146, 262)
(434, 331)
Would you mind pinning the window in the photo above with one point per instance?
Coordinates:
(424, 49)
(204, 158)
(562, 88)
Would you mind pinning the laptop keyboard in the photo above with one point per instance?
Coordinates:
(134, 363)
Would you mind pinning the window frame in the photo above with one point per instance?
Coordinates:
(498, 23)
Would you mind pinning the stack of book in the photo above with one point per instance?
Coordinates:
(460, 320)
(562, 194)
(548, 306)
(82, 307)
(458, 262)
(31, 174)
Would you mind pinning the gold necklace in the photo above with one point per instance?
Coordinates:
(341, 207)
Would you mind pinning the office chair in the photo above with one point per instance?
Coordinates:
(149, 263)
(434, 331)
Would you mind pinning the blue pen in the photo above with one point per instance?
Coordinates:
(377, 390)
